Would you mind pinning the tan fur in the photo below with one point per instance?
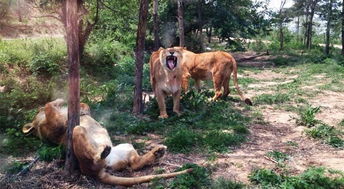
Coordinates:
(217, 66)
(92, 145)
(165, 81)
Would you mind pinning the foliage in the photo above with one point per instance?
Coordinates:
(307, 117)
(199, 177)
(280, 157)
(15, 167)
(49, 153)
(328, 134)
(312, 178)
(222, 183)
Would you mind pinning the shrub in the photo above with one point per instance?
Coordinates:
(222, 183)
(15, 167)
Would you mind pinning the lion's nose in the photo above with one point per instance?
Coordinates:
(171, 53)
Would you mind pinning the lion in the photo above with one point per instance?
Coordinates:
(92, 145)
(217, 66)
(166, 77)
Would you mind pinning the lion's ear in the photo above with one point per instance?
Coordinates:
(184, 48)
(27, 128)
(160, 49)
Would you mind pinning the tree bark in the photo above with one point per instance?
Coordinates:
(310, 25)
(209, 34)
(342, 27)
(156, 25)
(328, 27)
(181, 23)
(140, 44)
(281, 20)
(72, 30)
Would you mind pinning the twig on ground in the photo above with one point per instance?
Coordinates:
(270, 159)
(28, 167)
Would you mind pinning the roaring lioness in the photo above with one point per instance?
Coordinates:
(217, 66)
(92, 145)
(166, 77)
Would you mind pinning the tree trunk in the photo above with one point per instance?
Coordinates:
(200, 21)
(281, 20)
(298, 28)
(328, 28)
(156, 24)
(342, 27)
(310, 25)
(72, 30)
(140, 44)
(181, 23)
(209, 33)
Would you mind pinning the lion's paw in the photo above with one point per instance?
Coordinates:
(159, 151)
(163, 116)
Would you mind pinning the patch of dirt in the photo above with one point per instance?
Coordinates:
(331, 107)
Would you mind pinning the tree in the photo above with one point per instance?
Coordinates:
(280, 24)
(328, 27)
(71, 16)
(140, 44)
(181, 23)
(310, 15)
(342, 17)
(156, 25)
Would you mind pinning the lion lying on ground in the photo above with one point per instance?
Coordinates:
(217, 66)
(166, 77)
(92, 145)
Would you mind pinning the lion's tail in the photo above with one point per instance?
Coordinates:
(235, 81)
(129, 181)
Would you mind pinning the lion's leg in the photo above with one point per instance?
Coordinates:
(198, 84)
(137, 162)
(84, 149)
(185, 81)
(160, 97)
(217, 79)
(176, 102)
(225, 84)
(51, 109)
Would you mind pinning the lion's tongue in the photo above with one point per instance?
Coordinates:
(170, 64)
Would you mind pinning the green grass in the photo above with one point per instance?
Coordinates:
(307, 116)
(272, 98)
(280, 157)
(330, 135)
(311, 178)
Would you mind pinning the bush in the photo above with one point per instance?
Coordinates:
(222, 183)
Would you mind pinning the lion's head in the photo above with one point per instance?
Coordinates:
(170, 58)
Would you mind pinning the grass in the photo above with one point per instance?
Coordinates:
(330, 135)
(307, 116)
(280, 157)
(315, 177)
(272, 98)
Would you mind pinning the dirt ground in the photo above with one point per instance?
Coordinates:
(276, 131)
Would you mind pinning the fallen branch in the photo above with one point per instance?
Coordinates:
(253, 57)
(270, 159)
(28, 167)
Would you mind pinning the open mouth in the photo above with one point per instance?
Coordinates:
(171, 62)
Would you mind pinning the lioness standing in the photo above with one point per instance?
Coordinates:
(166, 77)
(217, 66)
